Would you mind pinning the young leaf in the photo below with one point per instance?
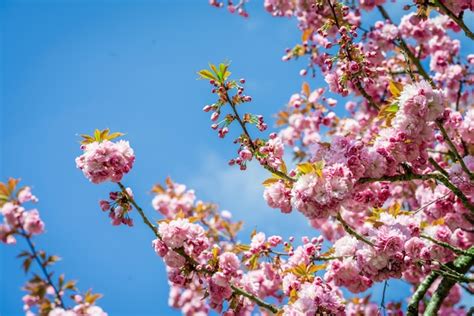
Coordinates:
(395, 88)
(305, 168)
(270, 181)
(206, 74)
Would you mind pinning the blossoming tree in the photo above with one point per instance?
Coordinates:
(389, 184)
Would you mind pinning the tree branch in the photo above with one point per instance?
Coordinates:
(461, 265)
(458, 20)
(420, 292)
(447, 246)
(255, 299)
(413, 176)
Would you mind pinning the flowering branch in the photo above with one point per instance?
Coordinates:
(351, 231)
(189, 259)
(253, 147)
(448, 246)
(458, 19)
(357, 83)
(43, 267)
(453, 149)
(403, 45)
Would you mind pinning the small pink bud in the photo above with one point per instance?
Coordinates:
(104, 205)
(214, 116)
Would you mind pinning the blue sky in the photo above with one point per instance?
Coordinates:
(69, 67)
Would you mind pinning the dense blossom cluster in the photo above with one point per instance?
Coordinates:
(106, 160)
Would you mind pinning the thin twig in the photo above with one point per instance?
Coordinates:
(253, 147)
(351, 231)
(357, 83)
(42, 265)
(447, 246)
(453, 149)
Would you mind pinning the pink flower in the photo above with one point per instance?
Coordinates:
(317, 196)
(390, 240)
(245, 154)
(25, 195)
(175, 232)
(160, 247)
(219, 288)
(6, 235)
(174, 260)
(106, 161)
(278, 195)
(32, 222)
(176, 199)
(229, 263)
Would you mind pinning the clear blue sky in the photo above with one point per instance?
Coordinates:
(71, 66)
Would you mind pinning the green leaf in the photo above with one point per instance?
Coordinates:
(206, 74)
(97, 135)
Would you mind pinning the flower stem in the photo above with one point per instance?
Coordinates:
(255, 299)
(351, 231)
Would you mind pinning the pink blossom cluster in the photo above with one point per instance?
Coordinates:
(173, 200)
(180, 233)
(17, 219)
(410, 133)
(106, 160)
